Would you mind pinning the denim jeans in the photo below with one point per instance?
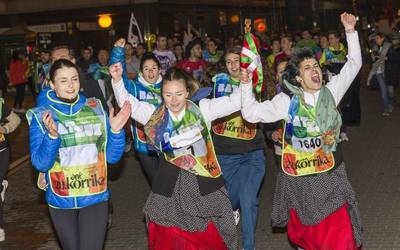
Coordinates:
(243, 174)
(386, 93)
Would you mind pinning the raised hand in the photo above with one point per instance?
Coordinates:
(118, 121)
(116, 72)
(349, 21)
(50, 125)
(245, 76)
(120, 43)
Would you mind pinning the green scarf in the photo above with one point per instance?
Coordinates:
(328, 118)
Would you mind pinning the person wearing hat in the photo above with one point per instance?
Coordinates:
(193, 63)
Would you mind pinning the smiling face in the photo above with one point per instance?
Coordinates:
(150, 71)
(175, 93)
(310, 76)
(232, 62)
(66, 83)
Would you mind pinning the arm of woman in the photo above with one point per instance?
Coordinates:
(341, 82)
(140, 111)
(215, 108)
(115, 144)
(267, 111)
(12, 123)
(118, 56)
(43, 147)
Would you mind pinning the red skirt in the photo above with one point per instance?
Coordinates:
(333, 233)
(168, 238)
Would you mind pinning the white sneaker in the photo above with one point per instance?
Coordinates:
(3, 192)
(236, 215)
(2, 235)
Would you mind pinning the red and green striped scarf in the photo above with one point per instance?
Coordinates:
(251, 61)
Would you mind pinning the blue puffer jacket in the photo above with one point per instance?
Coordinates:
(45, 149)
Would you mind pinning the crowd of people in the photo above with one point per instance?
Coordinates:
(198, 123)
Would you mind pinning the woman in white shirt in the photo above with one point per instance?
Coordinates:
(313, 196)
(188, 205)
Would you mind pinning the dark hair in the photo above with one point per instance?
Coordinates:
(292, 68)
(86, 48)
(214, 41)
(281, 60)
(289, 37)
(335, 33)
(380, 34)
(61, 47)
(275, 39)
(178, 44)
(176, 74)
(61, 63)
(234, 50)
(149, 56)
(161, 35)
(141, 44)
(191, 44)
(102, 48)
(16, 55)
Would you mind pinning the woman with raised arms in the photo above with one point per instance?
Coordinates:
(189, 205)
(313, 196)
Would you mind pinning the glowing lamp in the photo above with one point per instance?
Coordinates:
(234, 19)
(104, 21)
(260, 25)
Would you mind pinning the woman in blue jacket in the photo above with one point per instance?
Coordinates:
(71, 141)
(146, 87)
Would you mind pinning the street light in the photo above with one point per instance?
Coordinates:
(104, 21)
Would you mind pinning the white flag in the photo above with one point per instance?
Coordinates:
(134, 37)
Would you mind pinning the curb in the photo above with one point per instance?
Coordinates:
(18, 164)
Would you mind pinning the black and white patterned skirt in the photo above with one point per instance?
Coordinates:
(190, 211)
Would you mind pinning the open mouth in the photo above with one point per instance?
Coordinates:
(316, 79)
